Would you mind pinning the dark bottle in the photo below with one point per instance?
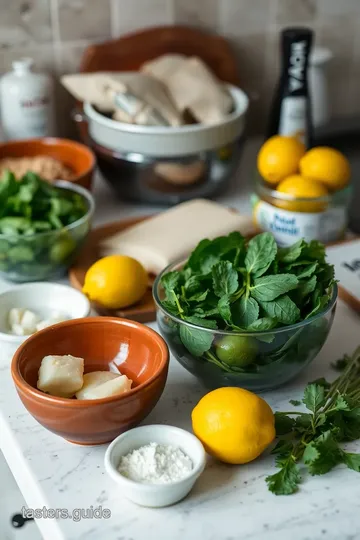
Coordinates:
(291, 109)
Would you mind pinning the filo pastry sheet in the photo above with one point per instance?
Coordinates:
(173, 234)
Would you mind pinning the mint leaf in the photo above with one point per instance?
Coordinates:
(285, 481)
(352, 461)
(170, 281)
(283, 424)
(322, 454)
(295, 402)
(283, 309)
(320, 301)
(224, 309)
(307, 286)
(225, 278)
(315, 250)
(307, 271)
(194, 340)
(263, 324)
(314, 397)
(268, 288)
(261, 252)
(245, 311)
(291, 253)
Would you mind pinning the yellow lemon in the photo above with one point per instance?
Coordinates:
(116, 281)
(326, 165)
(234, 425)
(279, 157)
(302, 188)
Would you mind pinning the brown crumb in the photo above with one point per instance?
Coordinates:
(46, 167)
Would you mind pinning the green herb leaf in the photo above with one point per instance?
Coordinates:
(322, 454)
(269, 288)
(303, 422)
(283, 424)
(341, 364)
(225, 278)
(170, 281)
(224, 309)
(307, 271)
(282, 309)
(314, 397)
(245, 311)
(342, 403)
(195, 340)
(285, 481)
(295, 402)
(262, 325)
(283, 448)
(261, 252)
(307, 286)
(315, 250)
(291, 253)
(352, 461)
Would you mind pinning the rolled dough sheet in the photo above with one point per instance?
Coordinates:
(170, 235)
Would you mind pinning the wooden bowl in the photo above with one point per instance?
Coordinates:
(139, 352)
(78, 157)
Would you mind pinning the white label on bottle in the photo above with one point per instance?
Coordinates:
(288, 227)
(293, 117)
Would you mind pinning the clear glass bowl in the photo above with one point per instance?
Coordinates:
(44, 256)
(275, 357)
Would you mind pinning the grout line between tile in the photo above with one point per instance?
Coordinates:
(114, 11)
(56, 41)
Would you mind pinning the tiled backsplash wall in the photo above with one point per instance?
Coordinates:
(56, 32)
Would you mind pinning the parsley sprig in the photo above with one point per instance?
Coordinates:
(313, 438)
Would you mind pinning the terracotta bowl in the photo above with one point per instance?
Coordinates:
(78, 157)
(140, 353)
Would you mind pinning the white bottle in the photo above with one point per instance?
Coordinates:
(319, 86)
(27, 102)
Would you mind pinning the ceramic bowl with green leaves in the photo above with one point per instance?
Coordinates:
(248, 314)
(42, 226)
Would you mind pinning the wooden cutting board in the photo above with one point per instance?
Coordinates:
(143, 311)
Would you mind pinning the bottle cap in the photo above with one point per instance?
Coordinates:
(23, 64)
(297, 32)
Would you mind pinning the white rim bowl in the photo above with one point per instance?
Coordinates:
(155, 495)
(42, 298)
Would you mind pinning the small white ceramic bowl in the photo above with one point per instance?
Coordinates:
(43, 299)
(155, 495)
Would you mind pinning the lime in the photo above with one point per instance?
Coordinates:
(239, 351)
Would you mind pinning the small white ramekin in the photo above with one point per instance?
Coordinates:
(155, 495)
(43, 298)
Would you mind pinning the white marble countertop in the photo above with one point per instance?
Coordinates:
(227, 503)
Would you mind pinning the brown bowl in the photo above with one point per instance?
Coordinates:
(100, 341)
(78, 157)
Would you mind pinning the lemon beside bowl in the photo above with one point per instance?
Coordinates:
(115, 282)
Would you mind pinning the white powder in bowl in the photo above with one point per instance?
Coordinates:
(155, 464)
